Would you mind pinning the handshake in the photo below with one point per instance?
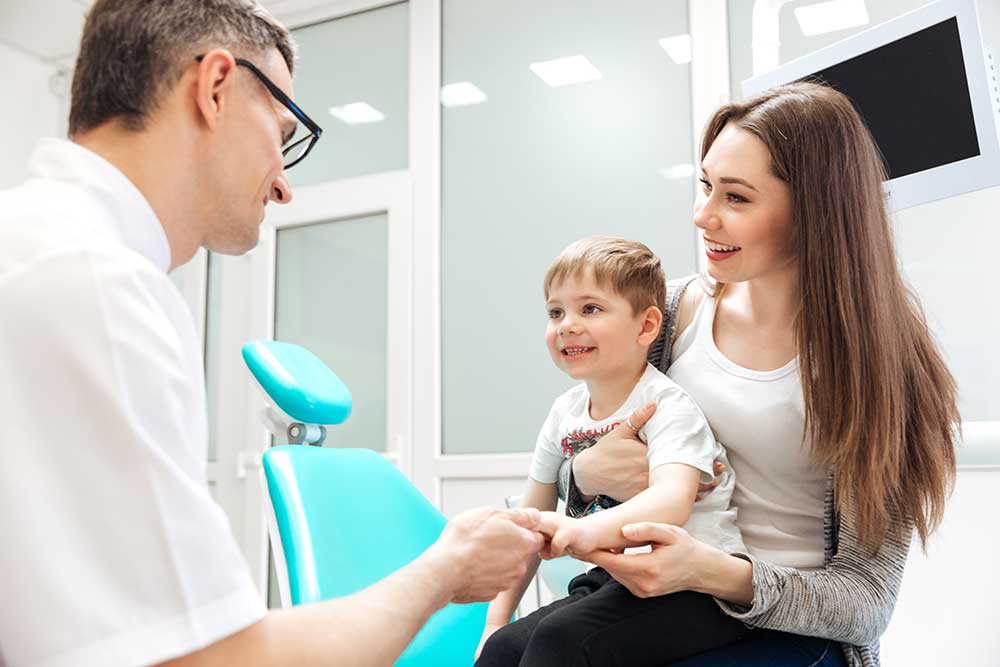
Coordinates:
(484, 551)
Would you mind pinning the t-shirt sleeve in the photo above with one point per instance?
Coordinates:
(114, 551)
(548, 454)
(678, 432)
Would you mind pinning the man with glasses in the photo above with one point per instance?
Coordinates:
(182, 129)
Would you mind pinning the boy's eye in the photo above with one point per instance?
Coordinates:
(555, 313)
(591, 308)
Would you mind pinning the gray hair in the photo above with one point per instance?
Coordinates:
(133, 51)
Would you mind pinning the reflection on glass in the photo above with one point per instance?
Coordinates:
(536, 167)
(331, 297)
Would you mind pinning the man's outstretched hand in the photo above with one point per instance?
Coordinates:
(486, 550)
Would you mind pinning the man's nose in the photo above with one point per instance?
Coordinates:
(281, 190)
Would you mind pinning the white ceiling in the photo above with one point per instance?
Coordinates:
(50, 29)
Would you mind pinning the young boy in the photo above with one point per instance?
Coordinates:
(604, 298)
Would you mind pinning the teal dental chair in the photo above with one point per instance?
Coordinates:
(342, 519)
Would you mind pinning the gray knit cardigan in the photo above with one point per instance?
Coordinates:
(849, 600)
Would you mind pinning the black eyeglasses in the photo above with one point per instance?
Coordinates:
(294, 153)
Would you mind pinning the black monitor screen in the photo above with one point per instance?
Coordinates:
(914, 96)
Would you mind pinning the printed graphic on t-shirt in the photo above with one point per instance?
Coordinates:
(576, 442)
(581, 439)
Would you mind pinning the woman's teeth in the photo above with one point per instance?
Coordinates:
(718, 247)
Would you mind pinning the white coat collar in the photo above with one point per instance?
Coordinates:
(127, 210)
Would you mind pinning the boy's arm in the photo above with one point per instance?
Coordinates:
(542, 497)
(669, 499)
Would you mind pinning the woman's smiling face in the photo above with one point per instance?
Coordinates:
(743, 210)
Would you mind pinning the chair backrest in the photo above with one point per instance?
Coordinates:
(346, 518)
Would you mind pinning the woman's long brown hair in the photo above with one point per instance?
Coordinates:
(880, 403)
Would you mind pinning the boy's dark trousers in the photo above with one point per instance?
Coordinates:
(602, 623)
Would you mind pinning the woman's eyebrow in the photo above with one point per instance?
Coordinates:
(733, 179)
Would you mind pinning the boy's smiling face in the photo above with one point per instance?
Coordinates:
(592, 332)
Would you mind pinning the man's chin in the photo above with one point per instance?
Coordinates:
(236, 244)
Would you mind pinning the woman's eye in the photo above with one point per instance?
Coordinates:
(705, 185)
(735, 198)
(590, 309)
(555, 313)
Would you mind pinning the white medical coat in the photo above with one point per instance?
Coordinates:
(112, 551)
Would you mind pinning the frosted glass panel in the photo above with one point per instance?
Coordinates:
(532, 168)
(358, 59)
(330, 297)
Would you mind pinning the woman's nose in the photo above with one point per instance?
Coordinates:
(281, 190)
(705, 216)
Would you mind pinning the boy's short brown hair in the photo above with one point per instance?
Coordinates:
(628, 268)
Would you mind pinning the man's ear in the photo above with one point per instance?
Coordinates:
(652, 320)
(216, 78)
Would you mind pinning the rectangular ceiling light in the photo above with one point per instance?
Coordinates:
(565, 71)
(826, 17)
(461, 94)
(357, 113)
(677, 172)
(678, 48)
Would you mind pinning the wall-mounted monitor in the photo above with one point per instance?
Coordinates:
(928, 92)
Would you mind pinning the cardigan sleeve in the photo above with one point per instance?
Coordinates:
(849, 600)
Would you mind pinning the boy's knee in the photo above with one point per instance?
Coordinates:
(557, 635)
(504, 647)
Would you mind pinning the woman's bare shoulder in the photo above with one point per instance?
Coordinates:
(688, 305)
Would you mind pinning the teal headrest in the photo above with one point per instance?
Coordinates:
(298, 382)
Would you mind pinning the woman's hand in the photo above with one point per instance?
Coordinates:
(672, 565)
(487, 632)
(618, 465)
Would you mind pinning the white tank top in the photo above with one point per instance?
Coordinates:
(759, 417)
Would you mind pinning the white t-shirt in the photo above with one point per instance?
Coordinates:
(759, 416)
(113, 551)
(676, 433)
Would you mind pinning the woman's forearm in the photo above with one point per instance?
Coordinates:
(726, 577)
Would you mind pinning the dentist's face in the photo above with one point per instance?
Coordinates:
(743, 210)
(252, 173)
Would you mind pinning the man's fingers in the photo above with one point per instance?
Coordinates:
(525, 517)
(647, 531)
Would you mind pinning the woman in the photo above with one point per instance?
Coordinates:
(814, 366)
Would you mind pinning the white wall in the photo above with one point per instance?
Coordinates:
(29, 111)
(947, 612)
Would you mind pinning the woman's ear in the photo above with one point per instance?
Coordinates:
(652, 320)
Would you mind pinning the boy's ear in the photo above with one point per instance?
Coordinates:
(652, 320)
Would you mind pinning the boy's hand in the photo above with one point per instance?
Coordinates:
(487, 633)
(565, 535)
